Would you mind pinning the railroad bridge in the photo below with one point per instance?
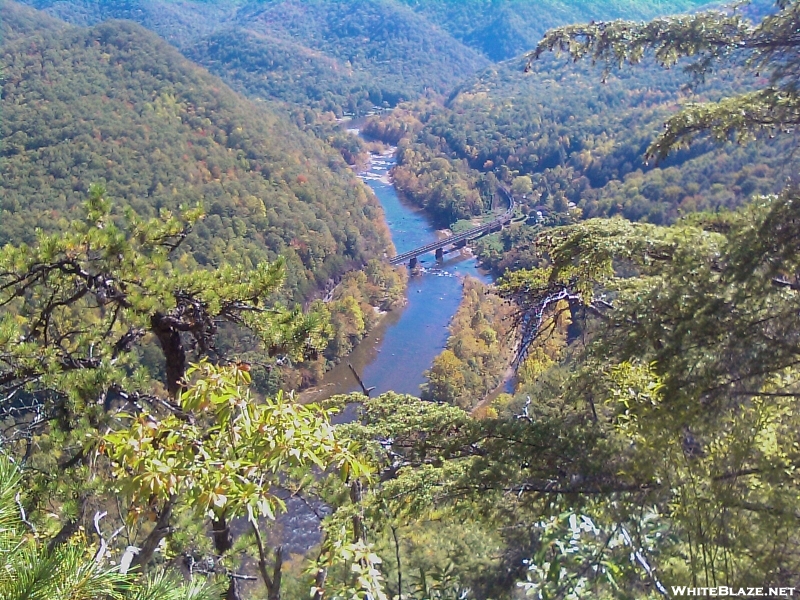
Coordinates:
(459, 240)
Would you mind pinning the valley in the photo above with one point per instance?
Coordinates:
(395, 356)
(398, 299)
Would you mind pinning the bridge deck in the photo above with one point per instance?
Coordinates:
(464, 236)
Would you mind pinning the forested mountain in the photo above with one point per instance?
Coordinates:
(20, 21)
(342, 54)
(562, 135)
(349, 55)
(649, 303)
(176, 22)
(502, 29)
(331, 55)
(116, 104)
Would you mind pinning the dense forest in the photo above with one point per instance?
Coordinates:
(506, 28)
(568, 136)
(177, 260)
(331, 56)
(115, 104)
(336, 55)
(348, 56)
(498, 29)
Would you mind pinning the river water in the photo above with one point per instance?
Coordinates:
(396, 353)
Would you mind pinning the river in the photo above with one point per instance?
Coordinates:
(395, 354)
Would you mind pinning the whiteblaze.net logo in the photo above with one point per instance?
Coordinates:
(727, 592)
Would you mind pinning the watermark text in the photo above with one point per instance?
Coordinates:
(723, 591)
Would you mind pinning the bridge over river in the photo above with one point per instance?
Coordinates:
(459, 240)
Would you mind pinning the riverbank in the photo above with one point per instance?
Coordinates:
(506, 386)
(477, 355)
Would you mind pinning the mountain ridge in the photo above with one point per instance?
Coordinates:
(398, 49)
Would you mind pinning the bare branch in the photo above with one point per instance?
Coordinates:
(23, 517)
(101, 552)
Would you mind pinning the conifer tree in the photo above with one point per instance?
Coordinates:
(79, 313)
(665, 450)
(702, 43)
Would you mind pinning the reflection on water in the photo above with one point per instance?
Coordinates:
(397, 352)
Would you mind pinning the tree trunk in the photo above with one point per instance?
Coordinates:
(233, 590)
(174, 353)
(160, 531)
(399, 565)
(223, 541)
(359, 534)
(69, 528)
(273, 583)
(319, 583)
(274, 592)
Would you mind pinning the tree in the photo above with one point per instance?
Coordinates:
(80, 303)
(29, 569)
(446, 380)
(494, 477)
(709, 38)
(522, 185)
(689, 364)
(79, 312)
(234, 458)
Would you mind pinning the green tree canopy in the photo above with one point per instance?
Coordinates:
(230, 456)
(663, 450)
(707, 40)
(31, 570)
(84, 315)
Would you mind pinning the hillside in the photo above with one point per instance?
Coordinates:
(330, 55)
(20, 21)
(176, 22)
(498, 29)
(336, 55)
(267, 66)
(502, 29)
(346, 56)
(562, 136)
(118, 105)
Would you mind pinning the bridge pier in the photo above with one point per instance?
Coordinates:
(413, 262)
(439, 254)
